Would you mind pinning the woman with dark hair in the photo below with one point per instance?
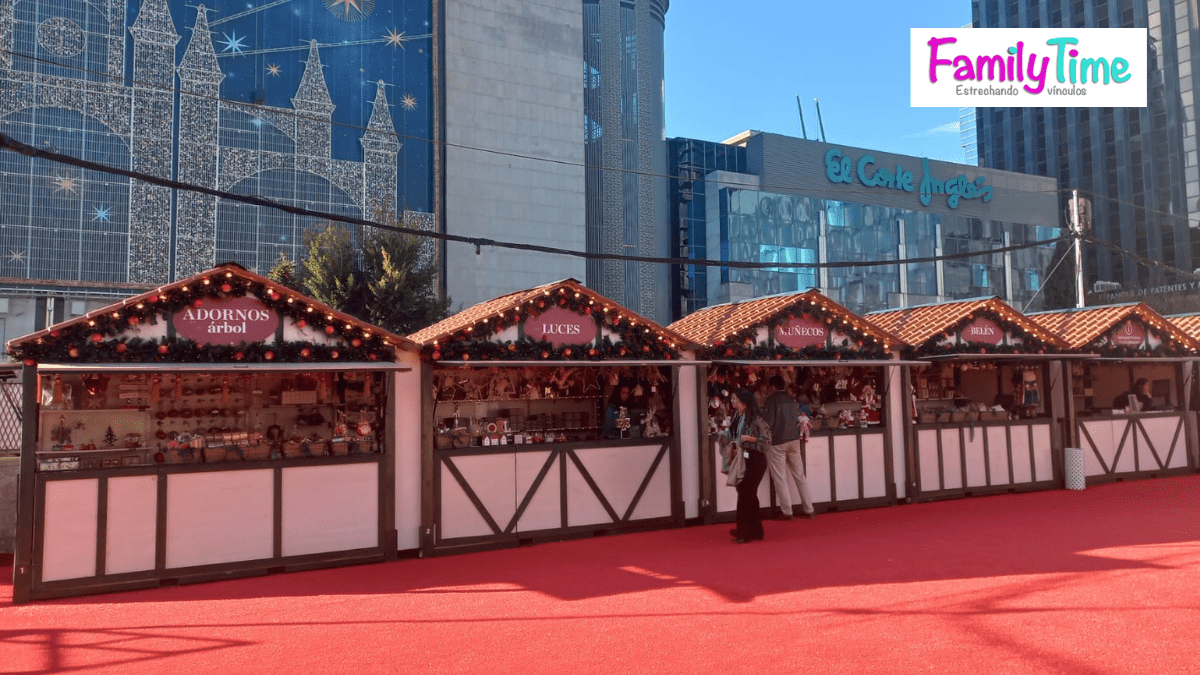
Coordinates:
(752, 437)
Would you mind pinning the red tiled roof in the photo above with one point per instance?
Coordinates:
(915, 325)
(1079, 327)
(475, 314)
(1189, 323)
(222, 269)
(710, 325)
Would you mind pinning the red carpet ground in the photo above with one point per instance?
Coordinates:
(1101, 581)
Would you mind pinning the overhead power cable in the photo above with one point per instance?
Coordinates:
(11, 144)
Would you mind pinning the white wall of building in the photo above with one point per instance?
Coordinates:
(513, 86)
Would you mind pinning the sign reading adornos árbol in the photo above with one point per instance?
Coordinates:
(561, 327)
(226, 322)
(800, 332)
(1129, 334)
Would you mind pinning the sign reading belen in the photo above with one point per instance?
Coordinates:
(801, 332)
(561, 327)
(983, 331)
(226, 322)
(1129, 334)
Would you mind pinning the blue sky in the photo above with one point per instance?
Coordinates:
(737, 66)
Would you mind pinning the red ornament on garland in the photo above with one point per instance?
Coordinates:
(466, 356)
(373, 356)
(301, 323)
(512, 347)
(562, 302)
(541, 304)
(587, 310)
(356, 342)
(270, 356)
(30, 362)
(55, 333)
(436, 356)
(73, 352)
(225, 288)
(197, 303)
(238, 356)
(567, 351)
(591, 352)
(545, 354)
(163, 349)
(133, 321)
(273, 295)
(306, 352)
(96, 337)
(121, 347)
(334, 354)
(329, 330)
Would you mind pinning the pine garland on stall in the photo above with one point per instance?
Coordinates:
(742, 344)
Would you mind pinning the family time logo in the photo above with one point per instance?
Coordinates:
(1036, 67)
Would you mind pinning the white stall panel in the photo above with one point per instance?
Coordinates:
(132, 524)
(1021, 466)
(619, 471)
(1100, 433)
(817, 468)
(544, 511)
(845, 457)
(952, 466)
(973, 455)
(1043, 453)
(874, 466)
(69, 534)
(493, 480)
(330, 508)
(220, 517)
(1161, 432)
(927, 460)
(998, 451)
(1127, 444)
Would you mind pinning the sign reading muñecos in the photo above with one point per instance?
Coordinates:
(800, 332)
(561, 327)
(983, 331)
(226, 322)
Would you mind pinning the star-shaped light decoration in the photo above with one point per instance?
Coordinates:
(394, 39)
(350, 10)
(15, 256)
(102, 213)
(233, 43)
(68, 184)
(408, 102)
(273, 69)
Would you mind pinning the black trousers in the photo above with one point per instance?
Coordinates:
(749, 520)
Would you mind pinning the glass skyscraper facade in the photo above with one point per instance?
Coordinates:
(762, 199)
(1137, 166)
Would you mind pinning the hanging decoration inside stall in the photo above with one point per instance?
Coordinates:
(225, 315)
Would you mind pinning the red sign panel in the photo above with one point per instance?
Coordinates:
(226, 322)
(561, 327)
(983, 331)
(801, 332)
(1129, 334)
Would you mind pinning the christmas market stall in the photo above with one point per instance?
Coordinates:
(985, 417)
(1130, 405)
(553, 412)
(218, 426)
(839, 366)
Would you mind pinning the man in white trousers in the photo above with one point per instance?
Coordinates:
(782, 412)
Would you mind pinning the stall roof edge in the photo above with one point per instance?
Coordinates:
(475, 314)
(709, 325)
(1079, 326)
(401, 341)
(917, 324)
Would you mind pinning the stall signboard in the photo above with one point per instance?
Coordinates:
(983, 331)
(1129, 334)
(561, 327)
(800, 332)
(218, 321)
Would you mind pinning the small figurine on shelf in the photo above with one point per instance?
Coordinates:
(622, 422)
(845, 418)
(110, 438)
(805, 426)
(862, 417)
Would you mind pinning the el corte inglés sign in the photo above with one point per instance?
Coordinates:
(226, 322)
(561, 327)
(800, 332)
